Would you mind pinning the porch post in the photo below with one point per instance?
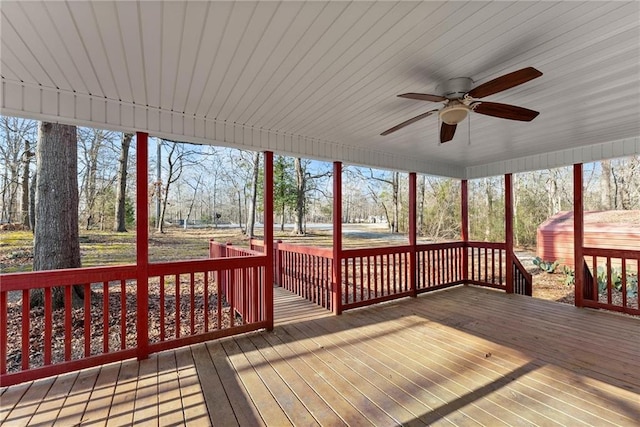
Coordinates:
(413, 265)
(464, 228)
(268, 237)
(508, 219)
(336, 300)
(142, 244)
(578, 234)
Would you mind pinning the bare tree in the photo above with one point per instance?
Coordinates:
(56, 243)
(120, 217)
(24, 206)
(193, 199)
(394, 182)
(606, 199)
(14, 132)
(178, 156)
(251, 219)
(303, 181)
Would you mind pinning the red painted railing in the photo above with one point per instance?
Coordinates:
(611, 279)
(487, 264)
(439, 266)
(243, 288)
(374, 275)
(186, 304)
(305, 271)
(522, 280)
(258, 246)
(53, 341)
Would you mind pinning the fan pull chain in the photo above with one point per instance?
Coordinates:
(469, 128)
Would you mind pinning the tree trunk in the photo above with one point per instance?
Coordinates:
(193, 202)
(301, 183)
(421, 195)
(396, 201)
(158, 184)
(32, 202)
(56, 243)
(239, 210)
(90, 188)
(251, 220)
(489, 193)
(120, 220)
(606, 195)
(24, 207)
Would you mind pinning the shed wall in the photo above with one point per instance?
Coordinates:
(555, 237)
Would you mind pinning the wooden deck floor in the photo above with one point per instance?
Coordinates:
(462, 356)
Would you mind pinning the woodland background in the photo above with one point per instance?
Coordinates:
(204, 186)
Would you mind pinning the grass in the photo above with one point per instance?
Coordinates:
(111, 248)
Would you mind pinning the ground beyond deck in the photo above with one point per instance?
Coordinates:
(462, 356)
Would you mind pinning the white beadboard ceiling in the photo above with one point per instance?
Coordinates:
(319, 79)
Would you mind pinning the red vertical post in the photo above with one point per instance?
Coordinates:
(268, 236)
(464, 227)
(578, 234)
(337, 239)
(508, 227)
(413, 265)
(142, 244)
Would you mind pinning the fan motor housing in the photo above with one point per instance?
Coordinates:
(456, 88)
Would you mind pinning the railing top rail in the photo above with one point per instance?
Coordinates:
(521, 268)
(441, 245)
(67, 276)
(256, 242)
(611, 253)
(307, 250)
(209, 264)
(352, 253)
(488, 245)
(246, 251)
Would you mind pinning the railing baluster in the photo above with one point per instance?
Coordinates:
(256, 301)
(105, 317)
(192, 289)
(219, 300)
(595, 287)
(87, 319)
(493, 265)
(500, 266)
(162, 314)
(123, 311)
(48, 325)
(205, 302)
(67, 323)
(3, 332)
(609, 280)
(178, 309)
(232, 301)
(25, 329)
(374, 259)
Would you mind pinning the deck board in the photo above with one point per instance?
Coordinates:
(146, 401)
(461, 356)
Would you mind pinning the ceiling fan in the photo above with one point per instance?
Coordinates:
(459, 99)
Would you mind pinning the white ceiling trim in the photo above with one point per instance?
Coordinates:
(556, 159)
(40, 103)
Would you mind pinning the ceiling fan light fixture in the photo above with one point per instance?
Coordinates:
(454, 113)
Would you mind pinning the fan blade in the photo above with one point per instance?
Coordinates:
(423, 97)
(447, 132)
(505, 82)
(408, 122)
(505, 111)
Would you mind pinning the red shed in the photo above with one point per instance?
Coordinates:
(608, 229)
